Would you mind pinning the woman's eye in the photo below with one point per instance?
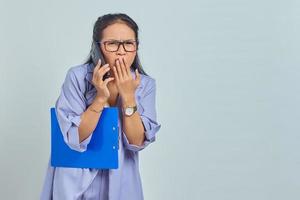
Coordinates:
(112, 43)
(129, 43)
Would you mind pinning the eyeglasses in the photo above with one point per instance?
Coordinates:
(114, 45)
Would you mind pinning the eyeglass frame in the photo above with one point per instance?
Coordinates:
(121, 42)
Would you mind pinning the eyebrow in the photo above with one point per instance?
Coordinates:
(113, 40)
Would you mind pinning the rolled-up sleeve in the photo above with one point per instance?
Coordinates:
(148, 117)
(69, 107)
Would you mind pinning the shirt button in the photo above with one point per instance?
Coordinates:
(114, 128)
(114, 147)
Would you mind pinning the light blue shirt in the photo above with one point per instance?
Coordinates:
(124, 183)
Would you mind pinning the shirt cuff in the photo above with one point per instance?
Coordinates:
(151, 128)
(73, 136)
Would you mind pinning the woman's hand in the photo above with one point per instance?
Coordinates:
(100, 85)
(125, 83)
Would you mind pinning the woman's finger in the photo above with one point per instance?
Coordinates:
(108, 80)
(102, 71)
(127, 68)
(119, 71)
(138, 77)
(123, 68)
(96, 68)
(116, 74)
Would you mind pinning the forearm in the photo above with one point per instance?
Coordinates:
(133, 125)
(89, 119)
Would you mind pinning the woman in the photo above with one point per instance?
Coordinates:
(87, 89)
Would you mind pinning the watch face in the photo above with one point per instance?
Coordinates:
(128, 111)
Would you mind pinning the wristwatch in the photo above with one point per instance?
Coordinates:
(129, 110)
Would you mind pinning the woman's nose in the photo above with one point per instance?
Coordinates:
(121, 50)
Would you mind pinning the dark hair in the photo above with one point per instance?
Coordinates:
(108, 19)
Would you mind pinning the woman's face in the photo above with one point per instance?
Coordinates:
(120, 32)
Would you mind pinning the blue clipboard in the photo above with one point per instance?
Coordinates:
(102, 151)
